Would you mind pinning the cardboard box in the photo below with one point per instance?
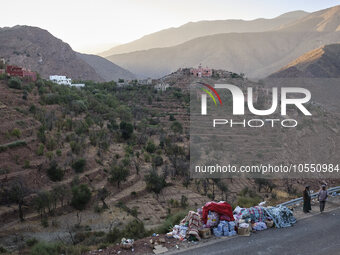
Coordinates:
(205, 233)
(244, 231)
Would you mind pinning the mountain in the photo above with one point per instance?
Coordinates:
(38, 50)
(255, 54)
(174, 36)
(106, 69)
(322, 62)
(327, 20)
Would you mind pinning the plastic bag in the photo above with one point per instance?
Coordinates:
(213, 219)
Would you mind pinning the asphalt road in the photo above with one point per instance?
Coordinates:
(319, 234)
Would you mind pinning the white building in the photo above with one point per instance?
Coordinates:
(147, 81)
(63, 80)
(162, 86)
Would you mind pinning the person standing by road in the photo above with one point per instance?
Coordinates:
(306, 200)
(323, 195)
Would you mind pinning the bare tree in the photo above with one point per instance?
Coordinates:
(17, 193)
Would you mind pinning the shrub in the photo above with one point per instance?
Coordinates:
(27, 164)
(39, 83)
(14, 144)
(31, 242)
(50, 144)
(81, 195)
(113, 235)
(58, 152)
(184, 201)
(3, 250)
(126, 129)
(154, 182)
(246, 202)
(3, 76)
(16, 132)
(54, 172)
(150, 147)
(79, 106)
(14, 83)
(135, 229)
(44, 222)
(170, 221)
(172, 117)
(157, 160)
(176, 127)
(79, 165)
(75, 147)
(43, 248)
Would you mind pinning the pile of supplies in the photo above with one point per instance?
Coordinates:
(220, 220)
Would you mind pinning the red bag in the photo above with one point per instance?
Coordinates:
(222, 208)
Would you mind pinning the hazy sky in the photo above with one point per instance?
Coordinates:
(89, 25)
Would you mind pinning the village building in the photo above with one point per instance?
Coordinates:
(162, 86)
(201, 71)
(21, 72)
(145, 81)
(63, 80)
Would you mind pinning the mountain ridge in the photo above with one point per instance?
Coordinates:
(256, 54)
(191, 30)
(37, 49)
(323, 62)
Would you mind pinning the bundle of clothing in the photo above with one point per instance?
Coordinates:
(255, 213)
(193, 221)
(281, 216)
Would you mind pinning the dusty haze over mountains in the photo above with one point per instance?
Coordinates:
(191, 30)
(257, 54)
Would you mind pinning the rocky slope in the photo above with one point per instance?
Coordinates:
(322, 62)
(106, 69)
(40, 51)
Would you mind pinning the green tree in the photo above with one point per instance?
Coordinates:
(81, 195)
(172, 117)
(79, 165)
(118, 174)
(15, 83)
(126, 129)
(150, 147)
(54, 172)
(154, 182)
(176, 127)
(157, 160)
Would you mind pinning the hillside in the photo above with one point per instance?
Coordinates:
(326, 20)
(106, 69)
(127, 150)
(255, 54)
(322, 62)
(38, 50)
(174, 36)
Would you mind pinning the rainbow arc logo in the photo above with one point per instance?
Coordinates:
(210, 94)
